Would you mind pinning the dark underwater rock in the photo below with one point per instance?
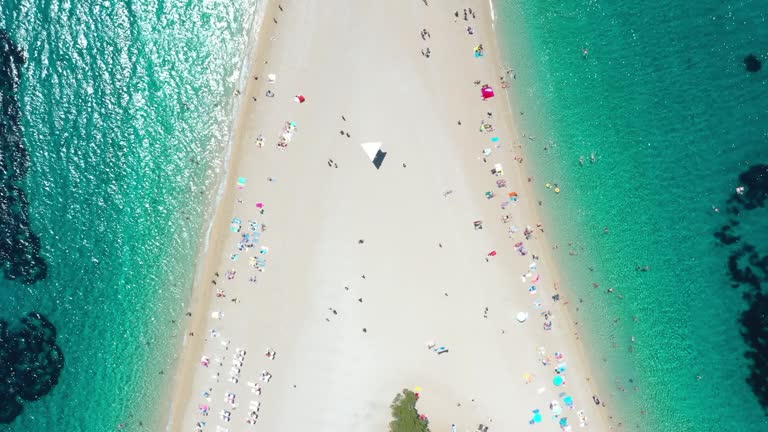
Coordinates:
(19, 247)
(754, 330)
(752, 63)
(748, 269)
(30, 364)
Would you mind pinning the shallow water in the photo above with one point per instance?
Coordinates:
(123, 110)
(665, 104)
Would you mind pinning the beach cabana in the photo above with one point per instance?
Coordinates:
(374, 153)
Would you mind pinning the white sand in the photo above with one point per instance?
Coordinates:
(361, 59)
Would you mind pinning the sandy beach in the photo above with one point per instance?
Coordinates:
(349, 273)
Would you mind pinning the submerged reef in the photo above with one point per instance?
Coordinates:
(30, 364)
(748, 269)
(19, 246)
(752, 63)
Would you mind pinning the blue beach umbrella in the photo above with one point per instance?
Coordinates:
(564, 421)
(537, 418)
(558, 381)
(568, 401)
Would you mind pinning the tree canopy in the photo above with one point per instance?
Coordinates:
(405, 416)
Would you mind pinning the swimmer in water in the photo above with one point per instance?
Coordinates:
(586, 53)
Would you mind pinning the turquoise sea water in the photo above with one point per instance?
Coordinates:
(665, 104)
(114, 124)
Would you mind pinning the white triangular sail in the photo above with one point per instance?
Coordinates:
(371, 149)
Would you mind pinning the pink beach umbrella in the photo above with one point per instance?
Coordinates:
(487, 92)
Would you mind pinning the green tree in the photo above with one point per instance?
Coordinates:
(404, 414)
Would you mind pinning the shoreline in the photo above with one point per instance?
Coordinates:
(600, 384)
(581, 322)
(201, 302)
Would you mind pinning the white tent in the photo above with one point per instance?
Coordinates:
(272, 78)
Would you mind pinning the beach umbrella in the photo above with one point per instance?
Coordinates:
(299, 99)
(487, 92)
(564, 421)
(555, 407)
(537, 418)
(568, 401)
(558, 381)
(522, 316)
(272, 77)
(528, 378)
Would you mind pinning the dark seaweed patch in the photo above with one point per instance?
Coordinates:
(726, 236)
(19, 246)
(749, 269)
(30, 364)
(752, 63)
